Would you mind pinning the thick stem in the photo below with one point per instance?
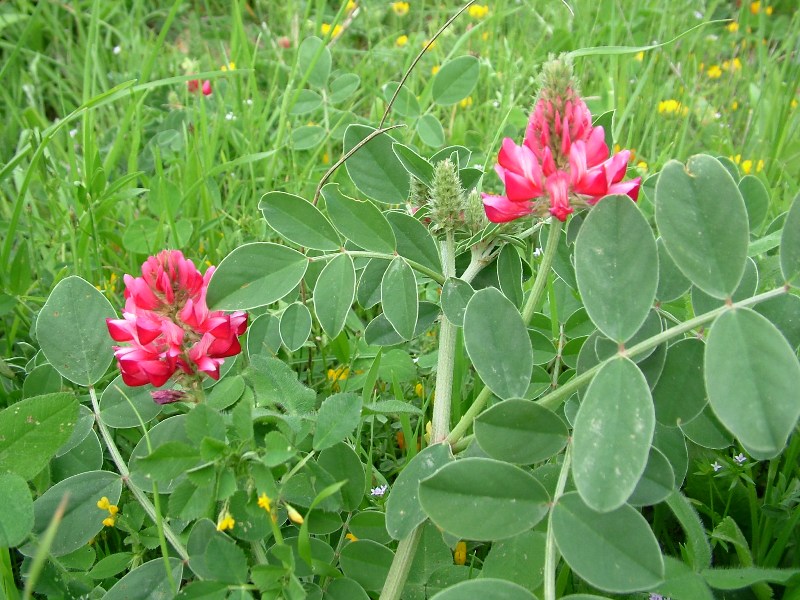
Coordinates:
(440, 425)
(550, 551)
(396, 579)
(122, 468)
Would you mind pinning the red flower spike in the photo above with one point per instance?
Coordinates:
(168, 325)
(562, 159)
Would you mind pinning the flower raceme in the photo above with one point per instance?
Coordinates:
(562, 158)
(168, 325)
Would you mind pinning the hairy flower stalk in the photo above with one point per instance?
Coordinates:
(169, 328)
(563, 162)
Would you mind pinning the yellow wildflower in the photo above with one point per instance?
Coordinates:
(264, 502)
(642, 166)
(351, 6)
(747, 166)
(755, 7)
(734, 105)
(478, 11)
(338, 374)
(639, 56)
(466, 102)
(326, 159)
(460, 553)
(294, 516)
(225, 522)
(419, 390)
(793, 103)
(485, 36)
(325, 28)
(401, 41)
(714, 72)
(759, 166)
(768, 10)
(351, 537)
(733, 27)
(103, 503)
(113, 509)
(434, 69)
(400, 8)
(672, 107)
(109, 521)
(231, 66)
(736, 64)
(429, 47)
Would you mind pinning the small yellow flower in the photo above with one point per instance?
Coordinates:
(400, 8)
(639, 56)
(478, 11)
(325, 28)
(326, 159)
(264, 502)
(642, 166)
(734, 105)
(733, 27)
(460, 553)
(793, 103)
(231, 66)
(759, 166)
(351, 537)
(768, 10)
(485, 36)
(714, 72)
(755, 7)
(294, 516)
(351, 6)
(109, 521)
(435, 69)
(428, 431)
(427, 47)
(747, 166)
(338, 374)
(419, 390)
(672, 107)
(225, 522)
(103, 503)
(466, 102)
(401, 41)
(113, 509)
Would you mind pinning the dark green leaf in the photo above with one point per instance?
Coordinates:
(455, 80)
(298, 221)
(374, 168)
(359, 221)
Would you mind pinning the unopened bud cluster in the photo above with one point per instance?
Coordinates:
(449, 207)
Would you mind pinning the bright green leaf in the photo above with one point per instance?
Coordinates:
(298, 221)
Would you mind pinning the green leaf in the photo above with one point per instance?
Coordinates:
(456, 293)
(784, 312)
(264, 335)
(255, 275)
(370, 525)
(403, 510)
(298, 221)
(374, 168)
(509, 274)
(680, 394)
(498, 344)
(455, 80)
(613, 432)
(672, 284)
(483, 499)
(275, 384)
(414, 163)
(592, 546)
(735, 579)
(111, 565)
(703, 303)
(432, 553)
(43, 379)
(414, 241)
(405, 104)
(361, 222)
(82, 520)
(32, 431)
(752, 375)
(430, 131)
(520, 431)
(334, 293)
(681, 581)
(343, 87)
(342, 462)
(307, 137)
(306, 101)
(703, 221)
(698, 550)
(756, 201)
(295, 326)
(519, 559)
(314, 59)
(345, 588)
(380, 332)
(121, 406)
(485, 589)
(337, 417)
(399, 298)
(366, 562)
(16, 518)
(171, 429)
(167, 462)
(71, 330)
(790, 245)
(657, 481)
(616, 266)
(705, 430)
(147, 582)
(225, 561)
(368, 293)
(228, 391)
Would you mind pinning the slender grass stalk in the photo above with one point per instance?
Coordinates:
(550, 550)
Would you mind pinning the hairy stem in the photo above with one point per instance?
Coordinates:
(440, 425)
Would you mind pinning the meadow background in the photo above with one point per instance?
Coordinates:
(108, 154)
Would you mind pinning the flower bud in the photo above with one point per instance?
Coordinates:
(447, 196)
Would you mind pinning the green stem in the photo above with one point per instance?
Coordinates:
(162, 540)
(550, 552)
(122, 468)
(437, 277)
(539, 286)
(440, 425)
(9, 585)
(396, 579)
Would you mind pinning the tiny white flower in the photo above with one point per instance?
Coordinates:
(739, 459)
(73, 133)
(716, 466)
(537, 253)
(378, 491)
(249, 102)
(117, 49)
(230, 116)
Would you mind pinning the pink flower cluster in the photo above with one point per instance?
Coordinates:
(168, 325)
(562, 158)
(193, 85)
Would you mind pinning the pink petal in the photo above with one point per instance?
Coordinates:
(500, 209)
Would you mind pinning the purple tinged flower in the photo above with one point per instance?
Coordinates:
(739, 459)
(379, 491)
